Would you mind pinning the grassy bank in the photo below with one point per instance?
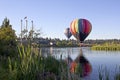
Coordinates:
(106, 47)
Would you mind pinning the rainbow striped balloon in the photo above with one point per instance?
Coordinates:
(80, 29)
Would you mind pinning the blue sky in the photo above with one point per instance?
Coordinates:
(53, 16)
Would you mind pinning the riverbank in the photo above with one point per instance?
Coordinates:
(112, 47)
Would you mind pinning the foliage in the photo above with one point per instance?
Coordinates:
(32, 34)
(66, 43)
(51, 68)
(7, 39)
(58, 43)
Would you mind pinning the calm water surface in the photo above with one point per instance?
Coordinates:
(98, 59)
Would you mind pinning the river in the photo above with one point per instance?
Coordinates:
(103, 61)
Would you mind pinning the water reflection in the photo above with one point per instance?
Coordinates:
(51, 50)
(77, 65)
(80, 65)
(109, 59)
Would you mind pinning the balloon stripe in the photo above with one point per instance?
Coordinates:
(85, 23)
(76, 26)
(73, 25)
(80, 26)
(83, 26)
(88, 28)
(71, 28)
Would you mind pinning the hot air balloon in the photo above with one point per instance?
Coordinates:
(67, 33)
(80, 29)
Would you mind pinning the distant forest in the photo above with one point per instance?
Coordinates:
(72, 42)
(102, 41)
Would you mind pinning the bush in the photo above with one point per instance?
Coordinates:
(8, 38)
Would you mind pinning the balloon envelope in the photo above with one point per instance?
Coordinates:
(67, 33)
(80, 28)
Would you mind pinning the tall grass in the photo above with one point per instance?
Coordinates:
(29, 66)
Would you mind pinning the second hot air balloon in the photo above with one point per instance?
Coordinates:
(67, 33)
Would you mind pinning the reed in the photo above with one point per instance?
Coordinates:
(28, 66)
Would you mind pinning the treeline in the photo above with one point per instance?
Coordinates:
(73, 42)
(107, 46)
(102, 41)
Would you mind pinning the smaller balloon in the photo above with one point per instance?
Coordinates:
(67, 33)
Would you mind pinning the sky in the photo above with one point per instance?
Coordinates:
(52, 17)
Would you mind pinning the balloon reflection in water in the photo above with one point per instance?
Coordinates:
(81, 66)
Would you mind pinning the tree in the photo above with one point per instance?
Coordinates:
(6, 23)
(7, 39)
(37, 33)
